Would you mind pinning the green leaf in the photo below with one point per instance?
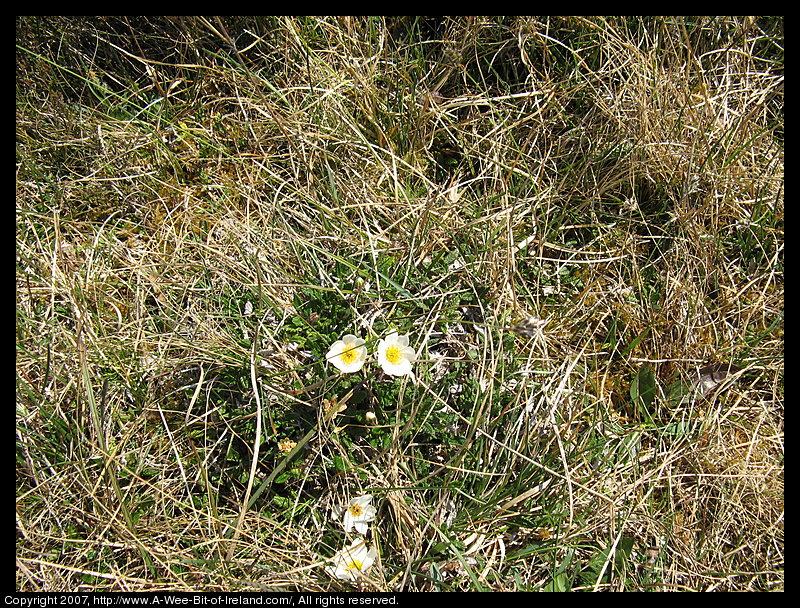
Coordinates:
(339, 462)
(634, 343)
(644, 389)
(559, 584)
(624, 550)
(682, 428)
(678, 392)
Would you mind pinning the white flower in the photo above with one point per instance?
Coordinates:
(351, 562)
(395, 355)
(348, 354)
(358, 513)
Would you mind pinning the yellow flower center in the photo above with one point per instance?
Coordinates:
(393, 354)
(356, 510)
(355, 564)
(350, 355)
(286, 445)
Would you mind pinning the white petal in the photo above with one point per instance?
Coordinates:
(361, 527)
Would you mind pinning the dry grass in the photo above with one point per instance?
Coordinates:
(620, 178)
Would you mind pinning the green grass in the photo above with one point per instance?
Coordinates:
(205, 205)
